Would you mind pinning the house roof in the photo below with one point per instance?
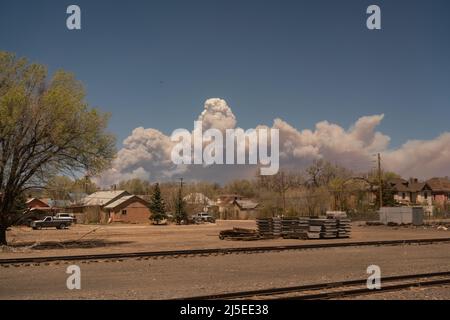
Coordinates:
(439, 184)
(39, 200)
(395, 181)
(246, 204)
(411, 187)
(434, 184)
(417, 186)
(122, 200)
(401, 187)
(102, 198)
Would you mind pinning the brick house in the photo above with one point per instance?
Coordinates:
(128, 209)
(112, 206)
(432, 191)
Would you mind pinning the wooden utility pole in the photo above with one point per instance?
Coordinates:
(380, 181)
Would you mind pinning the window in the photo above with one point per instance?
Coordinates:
(124, 212)
(425, 195)
(403, 196)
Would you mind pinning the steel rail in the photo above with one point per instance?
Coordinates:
(303, 292)
(202, 252)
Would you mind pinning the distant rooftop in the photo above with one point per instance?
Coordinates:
(122, 200)
(101, 198)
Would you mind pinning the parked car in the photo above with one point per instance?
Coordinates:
(51, 222)
(66, 216)
(203, 217)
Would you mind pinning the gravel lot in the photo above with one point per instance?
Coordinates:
(183, 277)
(92, 239)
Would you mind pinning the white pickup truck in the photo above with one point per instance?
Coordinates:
(66, 216)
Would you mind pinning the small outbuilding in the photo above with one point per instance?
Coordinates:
(402, 215)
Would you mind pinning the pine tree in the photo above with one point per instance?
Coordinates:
(157, 206)
(180, 208)
(388, 196)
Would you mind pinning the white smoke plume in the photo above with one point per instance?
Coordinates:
(146, 152)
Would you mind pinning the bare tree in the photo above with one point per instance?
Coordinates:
(46, 128)
(281, 183)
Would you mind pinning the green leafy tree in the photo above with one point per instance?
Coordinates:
(180, 208)
(157, 206)
(46, 129)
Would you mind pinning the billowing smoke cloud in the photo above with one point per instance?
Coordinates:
(217, 114)
(146, 152)
(421, 158)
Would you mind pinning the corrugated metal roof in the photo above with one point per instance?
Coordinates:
(247, 204)
(101, 198)
(121, 200)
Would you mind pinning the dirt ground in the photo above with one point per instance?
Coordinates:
(432, 293)
(181, 277)
(91, 239)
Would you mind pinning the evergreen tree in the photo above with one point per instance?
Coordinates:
(157, 206)
(388, 196)
(180, 208)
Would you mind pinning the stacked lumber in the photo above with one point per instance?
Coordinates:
(303, 223)
(336, 215)
(322, 228)
(304, 228)
(343, 223)
(315, 227)
(239, 234)
(344, 228)
(288, 226)
(294, 228)
(264, 226)
(329, 229)
(276, 227)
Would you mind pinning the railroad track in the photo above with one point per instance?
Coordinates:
(215, 251)
(334, 290)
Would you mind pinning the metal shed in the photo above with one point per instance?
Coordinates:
(402, 215)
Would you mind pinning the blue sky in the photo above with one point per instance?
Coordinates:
(154, 63)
